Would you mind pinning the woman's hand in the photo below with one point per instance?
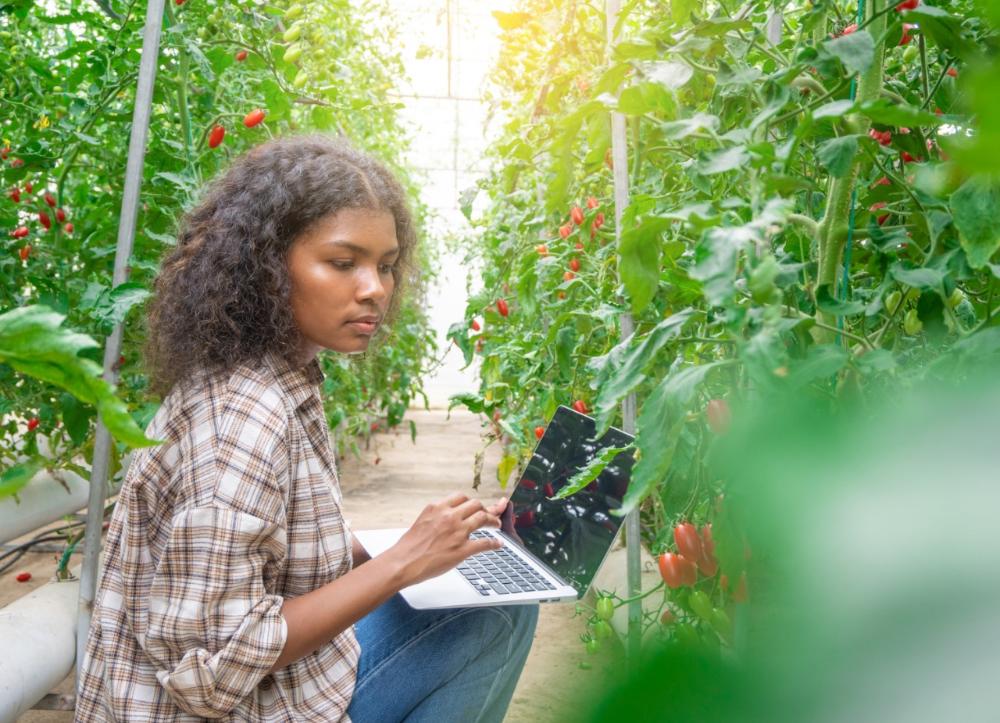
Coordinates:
(439, 538)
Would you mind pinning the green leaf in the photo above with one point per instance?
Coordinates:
(837, 155)
(33, 341)
(919, 277)
(510, 21)
(626, 364)
(827, 303)
(835, 109)
(943, 30)
(675, 130)
(975, 208)
(668, 73)
(822, 361)
(589, 473)
(724, 160)
(886, 112)
(639, 250)
(856, 51)
(16, 477)
(658, 430)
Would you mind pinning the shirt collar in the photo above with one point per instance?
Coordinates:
(299, 382)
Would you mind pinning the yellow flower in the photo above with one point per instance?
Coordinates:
(42, 123)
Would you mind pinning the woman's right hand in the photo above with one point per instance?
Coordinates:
(439, 538)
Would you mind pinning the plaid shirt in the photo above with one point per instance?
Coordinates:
(239, 509)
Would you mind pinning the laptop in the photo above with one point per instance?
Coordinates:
(552, 548)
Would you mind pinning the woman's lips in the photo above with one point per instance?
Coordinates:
(366, 327)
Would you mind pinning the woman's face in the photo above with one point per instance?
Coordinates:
(341, 271)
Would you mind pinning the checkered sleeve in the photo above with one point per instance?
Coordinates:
(213, 628)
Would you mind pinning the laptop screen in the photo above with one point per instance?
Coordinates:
(571, 535)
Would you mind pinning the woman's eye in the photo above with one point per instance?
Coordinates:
(387, 268)
(342, 264)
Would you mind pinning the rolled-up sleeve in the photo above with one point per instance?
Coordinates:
(213, 630)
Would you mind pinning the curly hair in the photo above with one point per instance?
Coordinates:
(221, 297)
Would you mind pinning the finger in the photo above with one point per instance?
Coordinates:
(499, 507)
(454, 499)
(482, 519)
(468, 508)
(477, 546)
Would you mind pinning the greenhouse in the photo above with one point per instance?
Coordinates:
(499, 360)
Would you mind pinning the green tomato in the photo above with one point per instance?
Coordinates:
(602, 630)
(956, 297)
(686, 635)
(293, 12)
(592, 646)
(292, 34)
(720, 621)
(910, 54)
(301, 78)
(892, 301)
(605, 608)
(911, 323)
(293, 53)
(701, 605)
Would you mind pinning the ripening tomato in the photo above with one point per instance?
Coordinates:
(569, 276)
(24, 252)
(565, 230)
(667, 617)
(591, 202)
(598, 220)
(718, 414)
(707, 563)
(740, 594)
(542, 250)
(688, 541)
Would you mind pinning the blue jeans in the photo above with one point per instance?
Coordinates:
(458, 665)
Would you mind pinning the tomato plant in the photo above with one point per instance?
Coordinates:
(226, 81)
(806, 189)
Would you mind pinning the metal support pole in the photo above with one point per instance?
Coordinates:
(112, 349)
(619, 157)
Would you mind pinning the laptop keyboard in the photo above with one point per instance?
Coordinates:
(500, 572)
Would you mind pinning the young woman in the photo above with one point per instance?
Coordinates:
(231, 587)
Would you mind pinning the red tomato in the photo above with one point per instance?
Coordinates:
(50, 199)
(253, 118)
(32, 423)
(25, 250)
(15, 195)
(529, 484)
(574, 264)
(718, 415)
(542, 250)
(43, 218)
(548, 489)
(580, 406)
(707, 562)
(28, 188)
(525, 519)
(23, 576)
(577, 215)
(539, 432)
(68, 228)
(565, 230)
(578, 246)
(688, 541)
(502, 307)
(19, 232)
(216, 135)
(598, 220)
(907, 5)
(677, 570)
(875, 207)
(241, 55)
(60, 215)
(907, 27)
(569, 276)
(474, 325)
(952, 72)
(591, 202)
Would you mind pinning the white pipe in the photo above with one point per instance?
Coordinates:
(38, 634)
(45, 499)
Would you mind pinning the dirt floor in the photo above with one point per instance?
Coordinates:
(558, 674)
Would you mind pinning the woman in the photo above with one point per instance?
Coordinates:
(231, 586)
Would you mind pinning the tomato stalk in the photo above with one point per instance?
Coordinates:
(182, 101)
(833, 227)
